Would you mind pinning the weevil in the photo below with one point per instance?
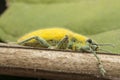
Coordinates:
(60, 38)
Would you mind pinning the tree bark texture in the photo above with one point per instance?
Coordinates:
(53, 64)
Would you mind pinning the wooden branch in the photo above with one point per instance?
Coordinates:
(29, 62)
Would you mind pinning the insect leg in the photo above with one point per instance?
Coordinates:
(102, 70)
(38, 39)
(63, 44)
(88, 49)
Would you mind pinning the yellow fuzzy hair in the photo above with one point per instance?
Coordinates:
(53, 34)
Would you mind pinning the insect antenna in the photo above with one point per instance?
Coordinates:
(105, 50)
(106, 45)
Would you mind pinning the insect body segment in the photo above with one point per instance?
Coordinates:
(59, 38)
(51, 36)
(48, 34)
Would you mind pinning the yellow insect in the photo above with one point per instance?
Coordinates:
(60, 38)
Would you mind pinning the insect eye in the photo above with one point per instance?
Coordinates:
(89, 40)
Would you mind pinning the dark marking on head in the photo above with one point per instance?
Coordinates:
(89, 40)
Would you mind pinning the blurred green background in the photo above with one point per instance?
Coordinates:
(97, 19)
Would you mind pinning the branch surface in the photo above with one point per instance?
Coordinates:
(30, 62)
